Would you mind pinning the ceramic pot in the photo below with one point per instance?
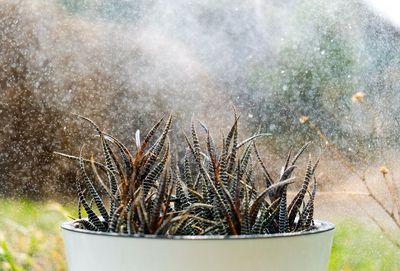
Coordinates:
(87, 250)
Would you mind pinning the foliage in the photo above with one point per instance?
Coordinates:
(30, 237)
(110, 9)
(312, 77)
(211, 192)
(360, 247)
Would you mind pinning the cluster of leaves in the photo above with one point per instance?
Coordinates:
(210, 192)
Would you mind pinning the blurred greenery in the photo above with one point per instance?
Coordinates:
(111, 9)
(315, 73)
(30, 239)
(313, 77)
(362, 247)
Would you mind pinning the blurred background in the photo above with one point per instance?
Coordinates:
(325, 71)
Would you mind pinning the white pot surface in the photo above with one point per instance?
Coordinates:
(308, 251)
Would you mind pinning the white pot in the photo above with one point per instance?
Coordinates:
(307, 251)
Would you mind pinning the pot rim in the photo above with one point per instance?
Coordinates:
(322, 226)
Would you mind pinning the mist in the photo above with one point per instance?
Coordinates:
(125, 64)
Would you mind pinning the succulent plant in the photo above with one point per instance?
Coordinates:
(225, 190)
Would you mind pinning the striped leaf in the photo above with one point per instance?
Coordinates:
(92, 190)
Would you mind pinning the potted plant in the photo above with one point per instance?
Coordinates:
(217, 208)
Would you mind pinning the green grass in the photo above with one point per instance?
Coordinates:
(360, 247)
(30, 239)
